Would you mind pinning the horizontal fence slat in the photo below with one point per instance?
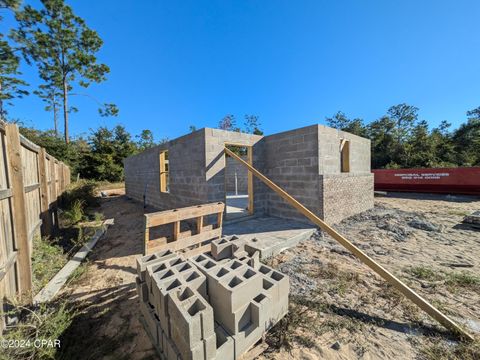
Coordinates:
(4, 268)
(5, 194)
(29, 145)
(32, 187)
(34, 229)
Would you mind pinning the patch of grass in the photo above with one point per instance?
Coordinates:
(105, 185)
(339, 323)
(338, 281)
(424, 273)
(47, 321)
(462, 280)
(305, 340)
(441, 350)
(47, 259)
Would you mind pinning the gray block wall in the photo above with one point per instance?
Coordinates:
(187, 181)
(291, 161)
(215, 141)
(304, 162)
(236, 170)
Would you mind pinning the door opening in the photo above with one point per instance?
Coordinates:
(238, 183)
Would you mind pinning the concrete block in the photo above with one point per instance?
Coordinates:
(225, 347)
(196, 280)
(161, 265)
(149, 316)
(276, 286)
(235, 289)
(161, 289)
(142, 290)
(171, 351)
(191, 316)
(144, 261)
(250, 331)
(205, 263)
(191, 323)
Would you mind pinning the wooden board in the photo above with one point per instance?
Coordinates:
(191, 212)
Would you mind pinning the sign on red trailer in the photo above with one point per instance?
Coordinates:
(461, 180)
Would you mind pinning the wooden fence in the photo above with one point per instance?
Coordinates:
(30, 182)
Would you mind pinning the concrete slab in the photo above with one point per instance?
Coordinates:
(269, 235)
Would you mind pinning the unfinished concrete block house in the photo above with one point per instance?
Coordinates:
(325, 169)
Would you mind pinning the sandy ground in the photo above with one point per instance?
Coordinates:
(340, 309)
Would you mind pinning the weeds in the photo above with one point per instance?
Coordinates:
(47, 321)
(424, 273)
(439, 350)
(452, 280)
(339, 280)
(78, 274)
(80, 190)
(463, 280)
(47, 259)
(283, 333)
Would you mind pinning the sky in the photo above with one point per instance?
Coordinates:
(292, 63)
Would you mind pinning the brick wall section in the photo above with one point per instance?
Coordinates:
(234, 167)
(186, 171)
(345, 195)
(291, 161)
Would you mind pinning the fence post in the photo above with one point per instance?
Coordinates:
(44, 200)
(62, 177)
(15, 172)
(53, 192)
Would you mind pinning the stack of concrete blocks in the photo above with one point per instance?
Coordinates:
(212, 306)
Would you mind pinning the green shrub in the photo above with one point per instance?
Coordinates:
(75, 213)
(80, 190)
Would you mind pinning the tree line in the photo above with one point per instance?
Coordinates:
(400, 140)
(98, 156)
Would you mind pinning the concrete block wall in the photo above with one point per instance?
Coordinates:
(291, 161)
(209, 307)
(301, 161)
(235, 169)
(215, 140)
(186, 172)
(329, 151)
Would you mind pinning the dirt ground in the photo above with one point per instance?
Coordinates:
(339, 308)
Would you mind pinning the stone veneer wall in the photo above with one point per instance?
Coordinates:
(345, 195)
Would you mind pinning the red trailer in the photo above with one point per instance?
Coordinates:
(461, 180)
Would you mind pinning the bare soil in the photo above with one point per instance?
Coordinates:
(339, 308)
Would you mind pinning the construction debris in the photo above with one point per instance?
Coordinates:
(215, 305)
(473, 219)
